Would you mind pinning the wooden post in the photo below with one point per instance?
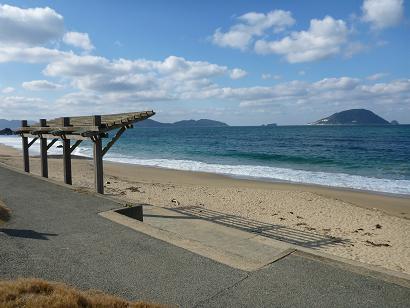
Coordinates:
(98, 161)
(43, 151)
(67, 155)
(26, 159)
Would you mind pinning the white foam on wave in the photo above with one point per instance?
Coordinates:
(281, 174)
(249, 171)
(15, 142)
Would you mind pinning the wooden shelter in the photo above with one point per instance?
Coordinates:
(78, 129)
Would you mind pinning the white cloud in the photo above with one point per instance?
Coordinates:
(344, 83)
(129, 82)
(7, 90)
(30, 54)
(40, 85)
(103, 75)
(29, 27)
(101, 83)
(78, 39)
(324, 38)
(21, 107)
(252, 25)
(344, 91)
(266, 76)
(390, 88)
(377, 76)
(237, 73)
(382, 13)
(270, 76)
(353, 48)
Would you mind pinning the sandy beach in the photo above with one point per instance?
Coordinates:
(374, 228)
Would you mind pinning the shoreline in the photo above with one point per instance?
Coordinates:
(260, 179)
(373, 228)
(392, 204)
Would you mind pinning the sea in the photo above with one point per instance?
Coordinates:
(372, 158)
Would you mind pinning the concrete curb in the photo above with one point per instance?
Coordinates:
(218, 255)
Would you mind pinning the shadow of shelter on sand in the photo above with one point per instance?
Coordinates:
(272, 231)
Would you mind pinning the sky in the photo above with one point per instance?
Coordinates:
(241, 62)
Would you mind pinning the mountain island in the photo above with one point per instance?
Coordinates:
(354, 117)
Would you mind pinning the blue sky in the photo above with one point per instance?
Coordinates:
(242, 62)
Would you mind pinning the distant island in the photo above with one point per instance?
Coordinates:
(183, 123)
(6, 131)
(9, 124)
(354, 117)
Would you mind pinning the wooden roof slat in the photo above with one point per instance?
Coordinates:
(84, 125)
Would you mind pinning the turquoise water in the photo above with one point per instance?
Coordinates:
(373, 158)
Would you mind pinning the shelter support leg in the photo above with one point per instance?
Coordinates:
(98, 159)
(67, 156)
(26, 160)
(67, 162)
(43, 152)
(98, 166)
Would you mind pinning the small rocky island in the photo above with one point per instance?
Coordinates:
(270, 125)
(354, 117)
(6, 131)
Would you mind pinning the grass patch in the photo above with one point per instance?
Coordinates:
(4, 213)
(37, 293)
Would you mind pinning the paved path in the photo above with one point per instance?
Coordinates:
(56, 234)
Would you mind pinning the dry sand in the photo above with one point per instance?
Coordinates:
(374, 229)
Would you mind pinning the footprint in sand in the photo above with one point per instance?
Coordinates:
(370, 243)
(357, 230)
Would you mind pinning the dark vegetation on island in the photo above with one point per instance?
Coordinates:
(184, 123)
(6, 131)
(354, 117)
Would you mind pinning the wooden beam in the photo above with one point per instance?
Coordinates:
(32, 141)
(51, 143)
(26, 160)
(37, 130)
(75, 145)
(113, 140)
(67, 156)
(43, 152)
(49, 136)
(98, 162)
